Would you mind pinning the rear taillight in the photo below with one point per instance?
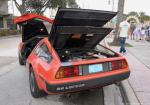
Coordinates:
(65, 72)
(120, 64)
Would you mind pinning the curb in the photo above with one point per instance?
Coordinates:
(112, 95)
(128, 94)
(10, 36)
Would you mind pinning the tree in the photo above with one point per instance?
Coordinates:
(143, 17)
(25, 6)
(39, 6)
(62, 3)
(120, 11)
(72, 4)
(133, 13)
(120, 18)
(20, 6)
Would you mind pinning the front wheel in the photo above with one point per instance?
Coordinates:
(35, 91)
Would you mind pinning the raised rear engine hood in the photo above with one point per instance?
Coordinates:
(79, 28)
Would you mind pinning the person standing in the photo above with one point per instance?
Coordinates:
(148, 34)
(137, 33)
(142, 33)
(132, 28)
(124, 32)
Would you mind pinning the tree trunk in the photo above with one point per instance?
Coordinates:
(119, 19)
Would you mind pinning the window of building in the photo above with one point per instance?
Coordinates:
(1, 22)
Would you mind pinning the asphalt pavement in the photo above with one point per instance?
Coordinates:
(8, 46)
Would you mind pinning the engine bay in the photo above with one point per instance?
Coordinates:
(99, 52)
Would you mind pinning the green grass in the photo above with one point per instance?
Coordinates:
(117, 44)
(7, 32)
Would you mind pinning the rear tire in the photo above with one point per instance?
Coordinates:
(34, 89)
(20, 60)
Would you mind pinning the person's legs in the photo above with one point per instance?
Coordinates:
(122, 45)
(148, 35)
(140, 36)
(148, 38)
(133, 36)
(143, 36)
(137, 37)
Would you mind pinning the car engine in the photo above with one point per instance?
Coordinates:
(77, 55)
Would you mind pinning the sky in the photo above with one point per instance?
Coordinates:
(130, 5)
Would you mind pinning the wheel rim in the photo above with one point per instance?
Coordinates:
(32, 82)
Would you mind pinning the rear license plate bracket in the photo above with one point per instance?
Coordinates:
(95, 68)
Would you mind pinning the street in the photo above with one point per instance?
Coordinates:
(14, 84)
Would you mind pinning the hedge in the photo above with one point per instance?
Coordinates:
(7, 32)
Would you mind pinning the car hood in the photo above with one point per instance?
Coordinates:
(33, 25)
(79, 28)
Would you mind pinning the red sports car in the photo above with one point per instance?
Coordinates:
(64, 55)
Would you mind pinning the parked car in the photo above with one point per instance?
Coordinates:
(66, 56)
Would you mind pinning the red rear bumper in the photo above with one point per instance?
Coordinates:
(87, 84)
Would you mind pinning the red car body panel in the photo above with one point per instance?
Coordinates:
(26, 17)
(42, 69)
(45, 73)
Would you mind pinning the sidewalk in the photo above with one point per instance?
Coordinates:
(138, 58)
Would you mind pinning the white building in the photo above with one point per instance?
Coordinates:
(3, 13)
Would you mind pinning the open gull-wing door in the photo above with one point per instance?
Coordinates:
(79, 28)
(33, 25)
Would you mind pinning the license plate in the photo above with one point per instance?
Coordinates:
(95, 68)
